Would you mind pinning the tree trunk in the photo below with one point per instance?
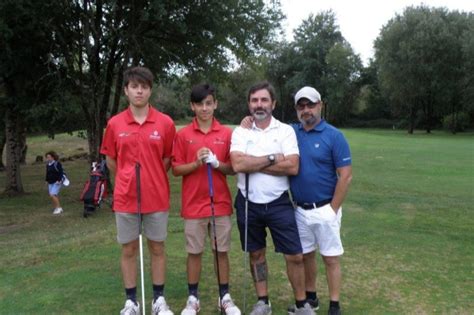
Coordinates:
(411, 125)
(23, 145)
(117, 93)
(3, 140)
(92, 141)
(13, 183)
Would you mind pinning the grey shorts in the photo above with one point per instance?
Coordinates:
(155, 226)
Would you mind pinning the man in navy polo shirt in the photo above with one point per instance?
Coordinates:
(318, 190)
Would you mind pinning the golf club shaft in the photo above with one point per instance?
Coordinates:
(140, 239)
(245, 238)
(213, 224)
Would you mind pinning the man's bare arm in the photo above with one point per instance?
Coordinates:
(284, 165)
(342, 187)
(244, 163)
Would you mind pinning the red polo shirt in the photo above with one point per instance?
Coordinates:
(128, 142)
(195, 200)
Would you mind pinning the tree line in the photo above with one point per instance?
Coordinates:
(62, 61)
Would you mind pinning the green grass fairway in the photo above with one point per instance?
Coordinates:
(408, 233)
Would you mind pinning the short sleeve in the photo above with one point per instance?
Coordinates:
(108, 144)
(228, 141)
(341, 152)
(289, 144)
(170, 135)
(238, 140)
(177, 157)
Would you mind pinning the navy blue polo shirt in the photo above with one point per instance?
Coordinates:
(323, 149)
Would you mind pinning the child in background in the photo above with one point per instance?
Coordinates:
(54, 176)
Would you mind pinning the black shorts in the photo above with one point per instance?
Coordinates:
(278, 216)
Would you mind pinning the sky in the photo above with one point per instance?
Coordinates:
(360, 21)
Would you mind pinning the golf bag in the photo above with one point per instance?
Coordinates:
(95, 189)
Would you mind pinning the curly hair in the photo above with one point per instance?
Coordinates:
(53, 154)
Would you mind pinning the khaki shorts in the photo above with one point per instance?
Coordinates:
(154, 226)
(196, 231)
(320, 228)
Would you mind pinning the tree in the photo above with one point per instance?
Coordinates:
(420, 60)
(96, 40)
(320, 57)
(344, 69)
(372, 104)
(24, 66)
(232, 95)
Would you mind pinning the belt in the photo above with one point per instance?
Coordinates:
(309, 206)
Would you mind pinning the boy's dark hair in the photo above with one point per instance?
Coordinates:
(264, 85)
(138, 74)
(53, 154)
(201, 91)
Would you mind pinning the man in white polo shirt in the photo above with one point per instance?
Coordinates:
(268, 152)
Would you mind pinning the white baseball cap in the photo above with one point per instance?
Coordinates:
(309, 93)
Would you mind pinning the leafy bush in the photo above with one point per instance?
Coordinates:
(456, 122)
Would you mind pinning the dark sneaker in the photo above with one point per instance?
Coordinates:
(334, 311)
(313, 303)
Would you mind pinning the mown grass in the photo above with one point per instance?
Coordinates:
(407, 231)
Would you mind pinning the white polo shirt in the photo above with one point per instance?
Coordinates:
(276, 138)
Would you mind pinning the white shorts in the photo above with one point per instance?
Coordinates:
(320, 228)
(54, 189)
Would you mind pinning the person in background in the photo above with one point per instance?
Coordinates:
(54, 177)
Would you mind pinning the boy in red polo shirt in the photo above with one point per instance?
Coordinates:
(140, 134)
(205, 141)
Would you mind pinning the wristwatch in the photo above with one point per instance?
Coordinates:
(271, 158)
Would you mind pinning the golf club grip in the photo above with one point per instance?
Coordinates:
(209, 178)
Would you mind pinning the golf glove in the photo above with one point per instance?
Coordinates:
(212, 159)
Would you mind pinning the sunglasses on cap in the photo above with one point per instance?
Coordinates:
(301, 106)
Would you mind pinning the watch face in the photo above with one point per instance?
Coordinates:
(271, 158)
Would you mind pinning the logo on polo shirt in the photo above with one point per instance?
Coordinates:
(316, 145)
(123, 134)
(155, 135)
(218, 141)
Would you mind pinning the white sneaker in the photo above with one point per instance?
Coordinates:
(228, 305)
(192, 306)
(159, 307)
(58, 211)
(130, 308)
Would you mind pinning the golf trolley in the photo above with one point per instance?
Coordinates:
(95, 189)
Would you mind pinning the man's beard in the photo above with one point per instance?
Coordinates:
(261, 113)
(308, 119)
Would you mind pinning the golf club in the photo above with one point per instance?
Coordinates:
(139, 211)
(246, 224)
(213, 224)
